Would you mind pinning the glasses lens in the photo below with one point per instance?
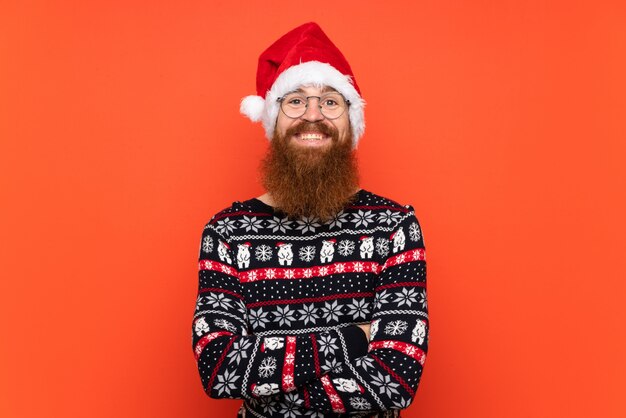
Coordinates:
(293, 105)
(332, 105)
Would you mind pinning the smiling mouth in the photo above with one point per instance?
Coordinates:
(311, 136)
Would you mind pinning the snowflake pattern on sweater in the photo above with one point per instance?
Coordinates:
(279, 298)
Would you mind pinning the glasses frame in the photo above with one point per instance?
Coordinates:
(306, 106)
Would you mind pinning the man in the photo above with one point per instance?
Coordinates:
(312, 297)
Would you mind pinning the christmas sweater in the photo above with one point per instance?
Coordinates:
(279, 299)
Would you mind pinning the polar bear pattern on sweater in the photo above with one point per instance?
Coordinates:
(222, 252)
(272, 343)
(243, 255)
(285, 254)
(419, 332)
(265, 389)
(327, 251)
(367, 247)
(347, 385)
(201, 327)
(399, 240)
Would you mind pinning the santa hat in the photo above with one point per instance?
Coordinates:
(303, 56)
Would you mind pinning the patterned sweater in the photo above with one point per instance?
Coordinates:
(278, 300)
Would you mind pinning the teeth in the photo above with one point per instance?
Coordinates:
(309, 137)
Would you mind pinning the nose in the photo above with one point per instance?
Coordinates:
(313, 112)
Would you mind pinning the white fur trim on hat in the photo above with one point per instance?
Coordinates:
(312, 73)
(252, 107)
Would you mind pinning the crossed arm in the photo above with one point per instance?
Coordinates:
(375, 366)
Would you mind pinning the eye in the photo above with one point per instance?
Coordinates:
(331, 101)
(295, 101)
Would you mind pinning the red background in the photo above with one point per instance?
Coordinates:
(501, 122)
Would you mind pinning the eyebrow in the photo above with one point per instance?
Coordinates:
(325, 89)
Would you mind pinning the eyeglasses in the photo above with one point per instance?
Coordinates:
(332, 105)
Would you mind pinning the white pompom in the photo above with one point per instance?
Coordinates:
(252, 107)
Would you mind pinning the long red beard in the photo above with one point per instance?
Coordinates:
(309, 181)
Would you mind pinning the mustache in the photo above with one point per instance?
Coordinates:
(312, 127)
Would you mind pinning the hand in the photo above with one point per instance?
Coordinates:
(366, 328)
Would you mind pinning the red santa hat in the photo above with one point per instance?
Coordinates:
(303, 56)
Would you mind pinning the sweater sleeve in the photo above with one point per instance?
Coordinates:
(234, 364)
(388, 375)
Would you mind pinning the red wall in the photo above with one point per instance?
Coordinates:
(501, 122)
